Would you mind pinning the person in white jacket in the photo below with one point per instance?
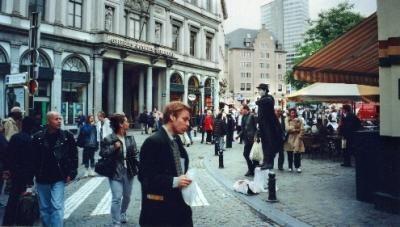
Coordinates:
(102, 126)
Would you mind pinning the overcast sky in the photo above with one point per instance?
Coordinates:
(246, 13)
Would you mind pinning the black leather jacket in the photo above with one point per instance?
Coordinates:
(132, 163)
(65, 152)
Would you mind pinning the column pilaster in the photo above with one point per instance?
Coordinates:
(119, 94)
(149, 89)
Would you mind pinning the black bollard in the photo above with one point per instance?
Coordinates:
(221, 159)
(271, 187)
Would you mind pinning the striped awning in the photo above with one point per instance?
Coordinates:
(351, 58)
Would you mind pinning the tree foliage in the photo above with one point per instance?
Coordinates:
(330, 25)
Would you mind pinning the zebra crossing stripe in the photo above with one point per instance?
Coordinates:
(79, 196)
(104, 206)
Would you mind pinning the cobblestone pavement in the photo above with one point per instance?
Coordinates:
(324, 194)
(224, 208)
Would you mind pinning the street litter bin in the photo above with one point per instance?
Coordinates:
(367, 155)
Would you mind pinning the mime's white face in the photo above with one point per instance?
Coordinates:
(261, 91)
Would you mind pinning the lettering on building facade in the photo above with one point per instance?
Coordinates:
(136, 45)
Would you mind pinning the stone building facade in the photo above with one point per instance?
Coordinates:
(124, 56)
(254, 57)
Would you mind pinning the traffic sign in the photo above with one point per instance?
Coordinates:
(18, 78)
(192, 97)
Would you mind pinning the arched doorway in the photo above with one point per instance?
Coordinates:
(194, 91)
(4, 70)
(208, 99)
(176, 87)
(74, 96)
(41, 100)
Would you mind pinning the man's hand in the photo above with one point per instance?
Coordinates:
(68, 180)
(117, 145)
(6, 174)
(183, 181)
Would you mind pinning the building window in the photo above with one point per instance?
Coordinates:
(248, 87)
(242, 86)
(175, 37)
(193, 35)
(280, 78)
(37, 6)
(280, 87)
(279, 66)
(209, 39)
(264, 76)
(157, 33)
(262, 65)
(75, 13)
(1, 5)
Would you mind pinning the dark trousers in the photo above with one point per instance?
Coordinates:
(88, 157)
(239, 129)
(281, 159)
(347, 152)
(251, 165)
(297, 159)
(229, 138)
(10, 215)
(209, 137)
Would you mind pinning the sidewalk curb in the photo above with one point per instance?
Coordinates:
(262, 207)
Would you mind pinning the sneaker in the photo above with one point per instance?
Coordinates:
(124, 219)
(91, 172)
(290, 169)
(86, 174)
(299, 170)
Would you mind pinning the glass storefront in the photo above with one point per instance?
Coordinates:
(74, 101)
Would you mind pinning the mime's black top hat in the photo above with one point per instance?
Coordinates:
(263, 86)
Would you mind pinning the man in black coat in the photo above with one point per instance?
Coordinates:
(349, 124)
(163, 164)
(248, 132)
(55, 165)
(230, 129)
(270, 130)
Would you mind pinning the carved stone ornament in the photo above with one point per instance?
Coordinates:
(138, 5)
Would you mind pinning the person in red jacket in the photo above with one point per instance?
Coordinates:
(209, 126)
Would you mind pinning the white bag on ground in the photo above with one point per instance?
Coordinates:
(245, 187)
(192, 194)
(256, 153)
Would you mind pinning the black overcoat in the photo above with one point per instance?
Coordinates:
(271, 132)
(162, 205)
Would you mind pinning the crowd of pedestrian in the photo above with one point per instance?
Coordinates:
(47, 156)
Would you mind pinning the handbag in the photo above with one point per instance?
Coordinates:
(27, 210)
(105, 167)
(256, 153)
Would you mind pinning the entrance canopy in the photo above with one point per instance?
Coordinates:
(351, 58)
(335, 92)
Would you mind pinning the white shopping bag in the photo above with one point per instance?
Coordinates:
(261, 179)
(192, 194)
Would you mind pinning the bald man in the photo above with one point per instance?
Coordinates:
(56, 163)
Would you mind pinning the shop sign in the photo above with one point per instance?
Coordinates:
(137, 45)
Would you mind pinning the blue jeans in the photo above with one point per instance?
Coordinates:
(121, 196)
(51, 203)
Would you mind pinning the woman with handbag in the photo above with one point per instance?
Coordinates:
(294, 144)
(88, 140)
(122, 150)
